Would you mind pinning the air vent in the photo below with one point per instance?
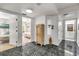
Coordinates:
(65, 14)
(23, 14)
(68, 15)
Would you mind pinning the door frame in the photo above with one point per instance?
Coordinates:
(30, 29)
(75, 37)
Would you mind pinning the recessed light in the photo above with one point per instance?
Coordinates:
(29, 10)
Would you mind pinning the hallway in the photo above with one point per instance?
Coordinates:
(39, 29)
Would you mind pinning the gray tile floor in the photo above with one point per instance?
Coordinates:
(77, 51)
(31, 49)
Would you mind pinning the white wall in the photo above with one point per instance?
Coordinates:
(33, 30)
(78, 29)
(40, 20)
(19, 41)
(12, 30)
(78, 34)
(16, 36)
(52, 20)
(60, 28)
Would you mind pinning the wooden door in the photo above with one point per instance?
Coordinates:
(40, 34)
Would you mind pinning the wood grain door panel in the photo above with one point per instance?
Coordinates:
(40, 34)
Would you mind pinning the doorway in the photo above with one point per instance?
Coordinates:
(70, 37)
(7, 34)
(26, 30)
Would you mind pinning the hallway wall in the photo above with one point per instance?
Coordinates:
(13, 33)
(78, 29)
(52, 20)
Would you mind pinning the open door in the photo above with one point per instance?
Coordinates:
(26, 30)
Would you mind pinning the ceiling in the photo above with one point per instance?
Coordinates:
(38, 8)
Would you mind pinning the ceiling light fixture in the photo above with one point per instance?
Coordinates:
(29, 10)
